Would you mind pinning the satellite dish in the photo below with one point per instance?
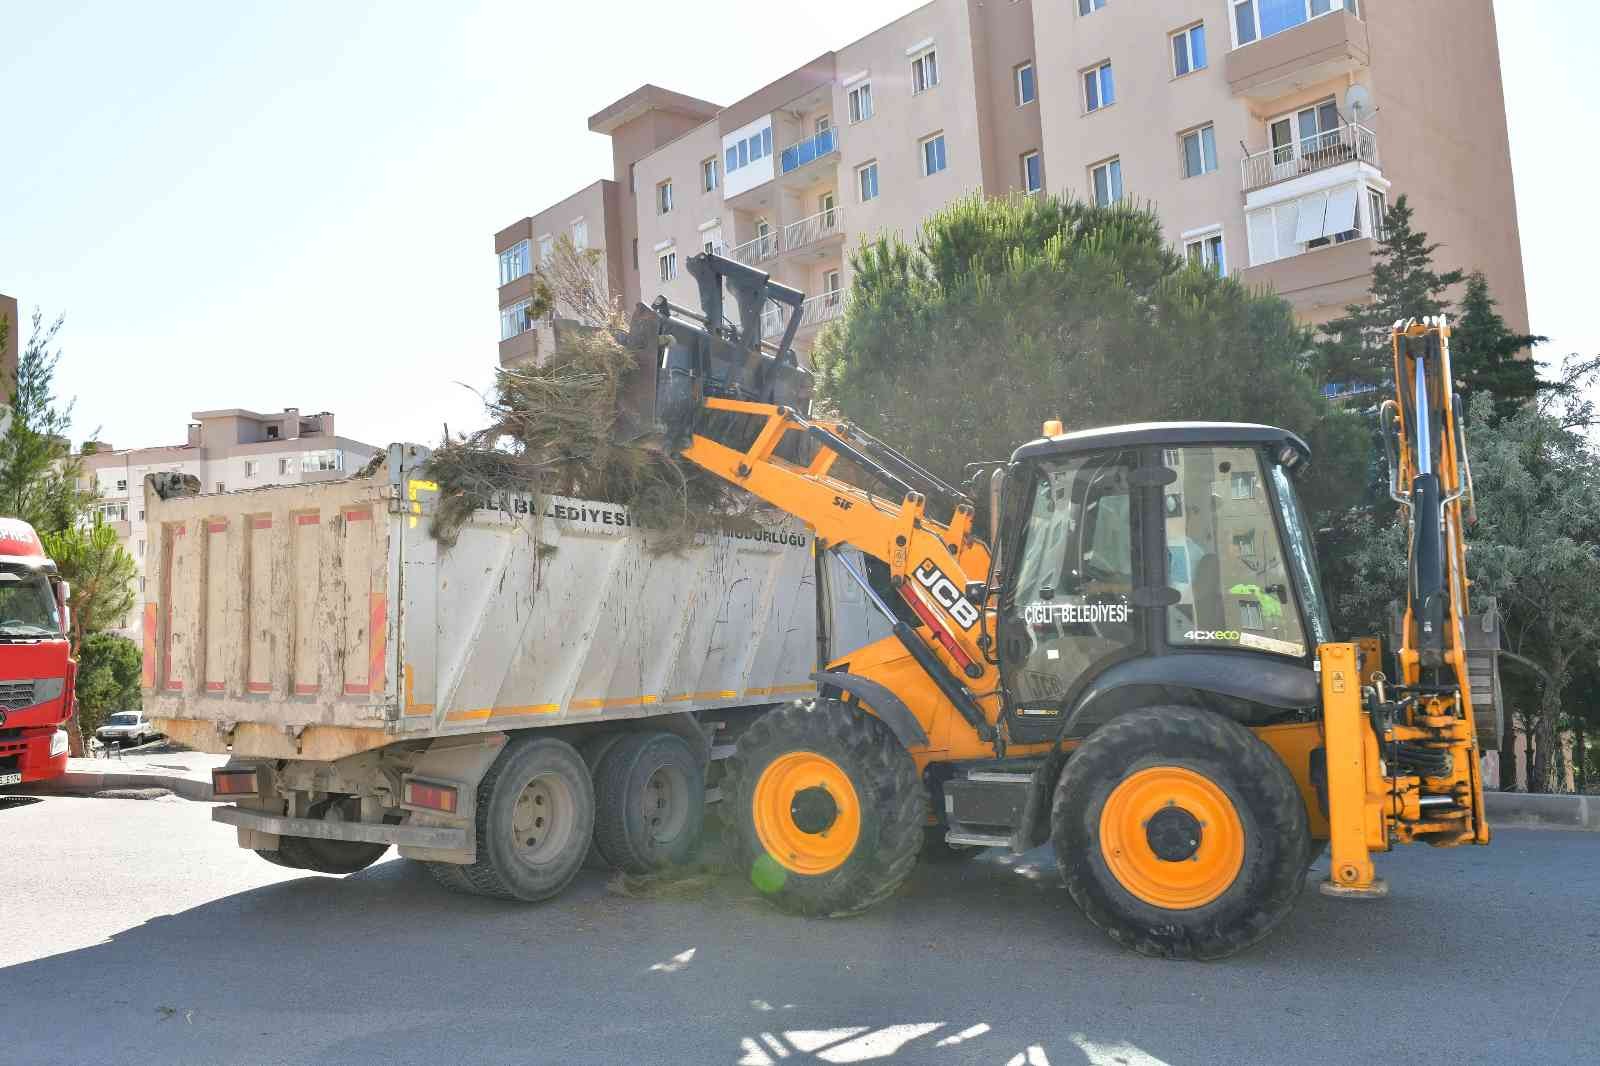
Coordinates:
(1358, 103)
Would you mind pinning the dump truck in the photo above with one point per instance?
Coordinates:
(365, 677)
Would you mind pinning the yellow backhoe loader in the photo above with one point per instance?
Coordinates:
(1132, 661)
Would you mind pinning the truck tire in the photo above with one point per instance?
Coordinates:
(449, 875)
(594, 750)
(1180, 834)
(534, 823)
(324, 856)
(826, 808)
(650, 798)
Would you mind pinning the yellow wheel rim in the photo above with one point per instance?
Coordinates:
(806, 813)
(1172, 837)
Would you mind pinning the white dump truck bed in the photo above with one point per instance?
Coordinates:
(317, 621)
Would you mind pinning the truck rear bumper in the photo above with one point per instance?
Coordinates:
(443, 838)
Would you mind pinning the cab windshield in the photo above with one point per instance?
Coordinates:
(1303, 553)
(27, 607)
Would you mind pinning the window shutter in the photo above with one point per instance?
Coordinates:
(1341, 211)
(1313, 215)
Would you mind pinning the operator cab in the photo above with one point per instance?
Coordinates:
(1138, 560)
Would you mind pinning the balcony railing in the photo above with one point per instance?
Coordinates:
(821, 308)
(815, 228)
(1307, 155)
(758, 250)
(808, 151)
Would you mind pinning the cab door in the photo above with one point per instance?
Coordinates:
(1066, 609)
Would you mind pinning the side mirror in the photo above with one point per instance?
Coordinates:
(63, 598)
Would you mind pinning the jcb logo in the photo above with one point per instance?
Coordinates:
(944, 590)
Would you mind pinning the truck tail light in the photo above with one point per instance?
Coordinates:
(430, 796)
(234, 782)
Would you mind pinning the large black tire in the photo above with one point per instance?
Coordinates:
(534, 822)
(594, 749)
(886, 800)
(324, 856)
(650, 798)
(449, 875)
(1266, 829)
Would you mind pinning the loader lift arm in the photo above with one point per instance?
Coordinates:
(738, 408)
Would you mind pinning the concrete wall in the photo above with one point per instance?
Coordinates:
(1002, 39)
(12, 346)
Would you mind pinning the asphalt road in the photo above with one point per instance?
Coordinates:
(134, 932)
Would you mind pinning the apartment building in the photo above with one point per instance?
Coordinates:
(1269, 135)
(226, 450)
(591, 220)
(12, 345)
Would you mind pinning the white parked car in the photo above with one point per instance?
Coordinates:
(126, 729)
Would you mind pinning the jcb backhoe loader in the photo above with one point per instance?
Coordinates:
(1134, 663)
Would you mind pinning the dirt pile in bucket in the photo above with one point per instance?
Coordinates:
(551, 431)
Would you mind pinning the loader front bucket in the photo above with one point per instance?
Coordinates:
(681, 357)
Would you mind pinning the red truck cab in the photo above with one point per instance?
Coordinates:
(36, 666)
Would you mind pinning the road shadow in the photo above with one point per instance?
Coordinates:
(984, 961)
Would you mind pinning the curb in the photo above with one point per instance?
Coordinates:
(85, 782)
(1542, 811)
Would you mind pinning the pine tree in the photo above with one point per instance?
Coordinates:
(1354, 349)
(1484, 352)
(38, 473)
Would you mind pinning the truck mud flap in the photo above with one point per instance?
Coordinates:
(417, 836)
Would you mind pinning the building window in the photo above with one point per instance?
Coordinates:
(1244, 485)
(1255, 19)
(711, 240)
(1106, 180)
(924, 71)
(1032, 174)
(283, 467)
(222, 487)
(636, 255)
(867, 181)
(141, 547)
(122, 484)
(1188, 50)
(514, 262)
(933, 159)
(1206, 251)
(831, 287)
(272, 432)
(708, 174)
(1376, 210)
(252, 467)
(667, 264)
(764, 238)
(1087, 7)
(664, 197)
(823, 124)
(547, 249)
(580, 234)
(1199, 151)
(516, 319)
(141, 586)
(322, 461)
(1098, 88)
(861, 102)
(141, 516)
(1027, 90)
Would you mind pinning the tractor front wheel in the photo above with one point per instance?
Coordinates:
(826, 808)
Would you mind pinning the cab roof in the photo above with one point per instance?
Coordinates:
(1164, 434)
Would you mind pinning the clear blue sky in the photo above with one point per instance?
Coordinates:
(293, 204)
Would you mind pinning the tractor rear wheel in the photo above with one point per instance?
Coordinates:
(1180, 834)
(826, 808)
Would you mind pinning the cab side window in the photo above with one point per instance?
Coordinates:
(1224, 555)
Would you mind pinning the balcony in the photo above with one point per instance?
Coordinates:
(808, 151)
(1352, 144)
(756, 251)
(814, 312)
(814, 230)
(1317, 50)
